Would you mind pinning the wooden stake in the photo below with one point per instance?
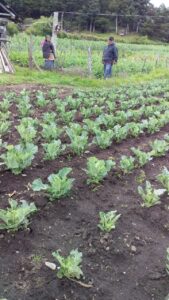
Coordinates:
(54, 33)
(90, 61)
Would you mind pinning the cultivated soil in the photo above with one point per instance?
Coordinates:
(126, 264)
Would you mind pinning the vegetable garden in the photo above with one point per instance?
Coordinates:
(72, 56)
(84, 193)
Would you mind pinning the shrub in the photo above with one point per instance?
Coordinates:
(41, 27)
(12, 28)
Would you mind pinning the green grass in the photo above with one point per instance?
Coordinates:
(126, 39)
(24, 75)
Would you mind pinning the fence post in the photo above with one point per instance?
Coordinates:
(157, 60)
(30, 52)
(90, 71)
(54, 31)
(32, 61)
(116, 24)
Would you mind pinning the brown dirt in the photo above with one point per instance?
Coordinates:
(128, 263)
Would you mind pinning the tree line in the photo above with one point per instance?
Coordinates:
(127, 15)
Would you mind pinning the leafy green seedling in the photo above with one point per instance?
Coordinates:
(26, 130)
(98, 169)
(19, 157)
(103, 138)
(159, 148)
(4, 127)
(163, 178)
(108, 220)
(40, 99)
(70, 266)
(79, 143)
(141, 156)
(59, 184)
(49, 117)
(51, 131)
(53, 150)
(149, 195)
(16, 215)
(127, 164)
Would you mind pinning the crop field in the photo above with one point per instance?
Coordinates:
(73, 55)
(84, 210)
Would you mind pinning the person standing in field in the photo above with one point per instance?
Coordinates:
(48, 53)
(110, 57)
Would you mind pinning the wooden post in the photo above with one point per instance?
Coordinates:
(32, 61)
(116, 24)
(90, 62)
(61, 22)
(30, 53)
(54, 33)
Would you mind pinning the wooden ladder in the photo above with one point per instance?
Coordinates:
(5, 63)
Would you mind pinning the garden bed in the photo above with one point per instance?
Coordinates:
(127, 263)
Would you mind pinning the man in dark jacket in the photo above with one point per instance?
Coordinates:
(110, 57)
(48, 53)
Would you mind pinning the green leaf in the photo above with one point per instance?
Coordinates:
(37, 185)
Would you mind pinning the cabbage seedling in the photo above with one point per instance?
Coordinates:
(16, 215)
(70, 266)
(108, 220)
(149, 195)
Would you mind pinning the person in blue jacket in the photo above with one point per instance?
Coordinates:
(110, 57)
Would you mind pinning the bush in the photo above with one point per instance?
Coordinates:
(41, 27)
(12, 28)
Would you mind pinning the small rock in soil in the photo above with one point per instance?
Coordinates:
(155, 276)
(133, 249)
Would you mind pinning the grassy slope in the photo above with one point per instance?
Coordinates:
(24, 75)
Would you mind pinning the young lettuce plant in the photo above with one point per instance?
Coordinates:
(108, 220)
(53, 150)
(149, 195)
(26, 130)
(163, 178)
(134, 129)
(74, 129)
(159, 148)
(73, 103)
(49, 117)
(91, 126)
(59, 184)
(51, 132)
(5, 105)
(4, 116)
(103, 138)
(19, 157)
(127, 164)
(16, 216)
(120, 133)
(53, 93)
(79, 143)
(24, 108)
(68, 116)
(70, 266)
(142, 157)
(40, 99)
(86, 112)
(98, 169)
(4, 127)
